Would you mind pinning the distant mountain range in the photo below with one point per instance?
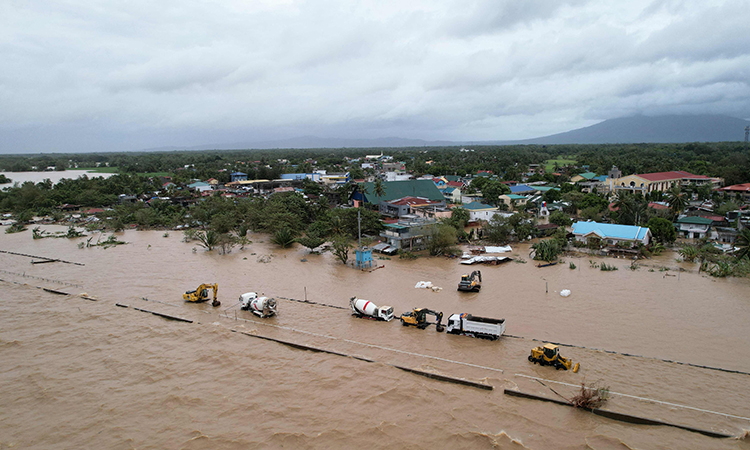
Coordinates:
(626, 130)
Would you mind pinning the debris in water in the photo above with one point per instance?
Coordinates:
(565, 292)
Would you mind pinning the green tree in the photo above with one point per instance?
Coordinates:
(311, 241)
(283, 237)
(340, 248)
(560, 218)
(743, 244)
(442, 240)
(662, 230)
(546, 250)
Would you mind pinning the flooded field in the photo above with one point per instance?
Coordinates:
(83, 373)
(54, 177)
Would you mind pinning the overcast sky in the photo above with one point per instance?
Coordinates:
(81, 75)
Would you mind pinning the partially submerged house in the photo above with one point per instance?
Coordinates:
(694, 227)
(611, 234)
(409, 233)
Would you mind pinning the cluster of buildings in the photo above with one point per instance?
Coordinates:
(411, 207)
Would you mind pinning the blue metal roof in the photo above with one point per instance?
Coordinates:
(521, 188)
(609, 230)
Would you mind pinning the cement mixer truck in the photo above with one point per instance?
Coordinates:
(368, 310)
(260, 306)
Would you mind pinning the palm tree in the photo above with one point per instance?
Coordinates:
(743, 243)
(378, 188)
(676, 200)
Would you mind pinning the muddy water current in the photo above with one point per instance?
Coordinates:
(78, 373)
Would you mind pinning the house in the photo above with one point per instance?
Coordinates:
(611, 234)
(403, 206)
(480, 211)
(513, 201)
(739, 192)
(588, 176)
(452, 194)
(694, 227)
(409, 233)
(238, 176)
(200, 186)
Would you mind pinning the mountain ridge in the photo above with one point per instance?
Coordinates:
(624, 130)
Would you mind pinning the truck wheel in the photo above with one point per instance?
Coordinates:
(531, 358)
(403, 322)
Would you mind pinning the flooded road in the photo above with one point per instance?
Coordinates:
(82, 373)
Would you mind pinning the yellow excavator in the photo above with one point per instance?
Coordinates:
(200, 295)
(549, 355)
(418, 318)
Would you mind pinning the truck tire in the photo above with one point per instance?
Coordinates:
(403, 322)
(531, 358)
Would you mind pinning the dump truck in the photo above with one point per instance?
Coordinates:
(471, 283)
(368, 310)
(549, 355)
(475, 326)
(260, 306)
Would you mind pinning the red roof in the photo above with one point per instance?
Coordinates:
(712, 217)
(655, 205)
(737, 188)
(414, 201)
(674, 175)
(455, 183)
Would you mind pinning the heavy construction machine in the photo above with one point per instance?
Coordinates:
(471, 283)
(418, 318)
(200, 295)
(260, 306)
(549, 355)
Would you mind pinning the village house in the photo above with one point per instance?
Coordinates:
(480, 212)
(739, 192)
(238, 176)
(409, 233)
(513, 201)
(611, 234)
(404, 206)
(694, 227)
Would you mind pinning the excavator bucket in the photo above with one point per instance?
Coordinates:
(576, 367)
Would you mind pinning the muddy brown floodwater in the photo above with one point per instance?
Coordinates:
(78, 373)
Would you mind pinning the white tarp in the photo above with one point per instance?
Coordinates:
(491, 249)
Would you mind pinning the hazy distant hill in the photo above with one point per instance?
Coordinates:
(626, 130)
(702, 128)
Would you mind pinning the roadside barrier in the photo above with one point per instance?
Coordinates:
(618, 416)
(42, 257)
(41, 278)
(720, 369)
(676, 405)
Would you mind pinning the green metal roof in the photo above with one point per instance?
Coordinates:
(587, 175)
(400, 189)
(516, 197)
(695, 220)
(545, 188)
